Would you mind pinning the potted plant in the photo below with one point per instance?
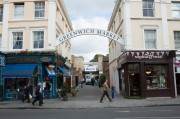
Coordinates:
(74, 91)
(64, 91)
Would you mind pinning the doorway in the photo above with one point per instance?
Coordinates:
(134, 79)
(178, 83)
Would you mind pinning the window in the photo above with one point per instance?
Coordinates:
(150, 39)
(38, 39)
(0, 40)
(1, 13)
(39, 9)
(175, 9)
(17, 40)
(177, 39)
(156, 76)
(148, 8)
(19, 11)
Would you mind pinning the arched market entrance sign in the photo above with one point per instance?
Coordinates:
(89, 31)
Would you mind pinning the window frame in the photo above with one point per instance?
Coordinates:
(32, 40)
(18, 4)
(176, 42)
(175, 10)
(1, 13)
(148, 9)
(39, 10)
(156, 42)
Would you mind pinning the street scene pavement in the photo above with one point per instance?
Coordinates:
(89, 97)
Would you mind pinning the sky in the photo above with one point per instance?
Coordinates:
(89, 14)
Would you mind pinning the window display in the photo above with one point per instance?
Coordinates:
(156, 76)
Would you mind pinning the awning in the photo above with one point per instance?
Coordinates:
(18, 70)
(64, 72)
(51, 72)
(68, 67)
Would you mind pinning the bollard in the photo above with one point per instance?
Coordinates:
(112, 92)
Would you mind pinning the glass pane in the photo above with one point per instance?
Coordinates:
(156, 76)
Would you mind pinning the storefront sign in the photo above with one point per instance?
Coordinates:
(45, 59)
(22, 59)
(147, 55)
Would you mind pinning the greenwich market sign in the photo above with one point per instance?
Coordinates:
(90, 31)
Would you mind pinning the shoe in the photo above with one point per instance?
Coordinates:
(41, 105)
(33, 103)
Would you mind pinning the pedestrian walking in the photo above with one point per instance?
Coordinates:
(39, 96)
(105, 89)
(47, 90)
(26, 95)
(82, 81)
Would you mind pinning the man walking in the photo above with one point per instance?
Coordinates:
(105, 88)
(39, 96)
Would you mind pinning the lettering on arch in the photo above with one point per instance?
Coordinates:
(89, 31)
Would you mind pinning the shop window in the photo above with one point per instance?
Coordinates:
(156, 76)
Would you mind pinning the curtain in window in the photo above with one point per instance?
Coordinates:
(150, 39)
(177, 39)
(176, 10)
(19, 12)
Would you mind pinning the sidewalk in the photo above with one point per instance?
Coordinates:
(91, 101)
(117, 102)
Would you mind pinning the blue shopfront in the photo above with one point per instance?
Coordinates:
(30, 68)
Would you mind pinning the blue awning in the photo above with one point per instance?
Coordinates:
(64, 72)
(18, 70)
(51, 72)
(68, 67)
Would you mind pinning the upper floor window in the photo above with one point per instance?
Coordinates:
(148, 8)
(150, 39)
(176, 9)
(38, 39)
(39, 9)
(0, 40)
(18, 11)
(1, 13)
(177, 39)
(17, 40)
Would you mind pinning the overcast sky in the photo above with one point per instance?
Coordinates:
(89, 14)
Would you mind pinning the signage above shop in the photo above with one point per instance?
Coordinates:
(148, 54)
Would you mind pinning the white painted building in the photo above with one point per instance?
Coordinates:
(34, 25)
(145, 25)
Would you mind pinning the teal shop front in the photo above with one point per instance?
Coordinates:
(30, 68)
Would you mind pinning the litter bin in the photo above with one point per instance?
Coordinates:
(112, 92)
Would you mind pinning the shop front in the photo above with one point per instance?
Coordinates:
(177, 73)
(30, 68)
(147, 73)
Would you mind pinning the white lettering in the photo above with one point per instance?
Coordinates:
(90, 31)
